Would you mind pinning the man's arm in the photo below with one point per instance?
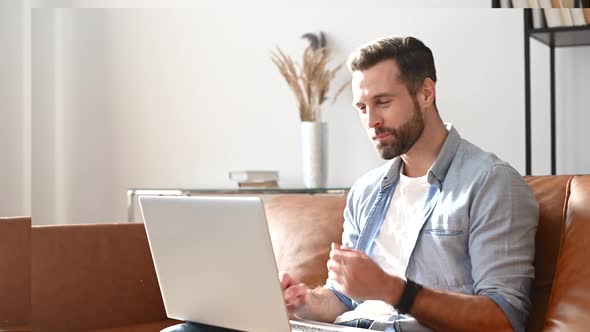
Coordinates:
(319, 304)
(445, 311)
(358, 276)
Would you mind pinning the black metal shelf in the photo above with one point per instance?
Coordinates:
(553, 38)
(562, 36)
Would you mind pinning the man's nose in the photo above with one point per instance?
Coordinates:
(375, 118)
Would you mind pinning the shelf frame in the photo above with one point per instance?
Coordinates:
(576, 36)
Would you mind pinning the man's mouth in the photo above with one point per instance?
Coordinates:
(381, 136)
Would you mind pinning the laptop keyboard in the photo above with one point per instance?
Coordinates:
(307, 328)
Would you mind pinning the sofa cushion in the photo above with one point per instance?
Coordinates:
(93, 276)
(569, 307)
(301, 229)
(15, 272)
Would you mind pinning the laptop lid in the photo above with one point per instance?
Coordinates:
(214, 261)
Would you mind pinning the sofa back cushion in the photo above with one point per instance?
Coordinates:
(302, 227)
(569, 307)
(92, 277)
(15, 271)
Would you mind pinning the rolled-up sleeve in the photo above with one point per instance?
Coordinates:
(504, 219)
(350, 235)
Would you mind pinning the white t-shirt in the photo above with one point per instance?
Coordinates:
(395, 241)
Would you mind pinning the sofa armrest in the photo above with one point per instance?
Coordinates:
(93, 276)
(15, 272)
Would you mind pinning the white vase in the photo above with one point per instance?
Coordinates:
(314, 153)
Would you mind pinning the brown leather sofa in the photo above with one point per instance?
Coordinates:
(101, 277)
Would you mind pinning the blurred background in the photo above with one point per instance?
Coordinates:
(100, 96)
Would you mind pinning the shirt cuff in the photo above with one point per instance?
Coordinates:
(348, 302)
(516, 317)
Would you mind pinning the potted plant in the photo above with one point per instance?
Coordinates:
(310, 82)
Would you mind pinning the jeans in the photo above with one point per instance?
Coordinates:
(196, 327)
(361, 323)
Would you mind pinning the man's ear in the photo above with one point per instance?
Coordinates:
(427, 93)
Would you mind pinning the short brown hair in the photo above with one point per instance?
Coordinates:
(414, 59)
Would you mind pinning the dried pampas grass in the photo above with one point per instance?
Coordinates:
(310, 81)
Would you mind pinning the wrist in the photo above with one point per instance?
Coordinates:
(394, 290)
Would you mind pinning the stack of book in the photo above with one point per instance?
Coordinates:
(255, 179)
(555, 13)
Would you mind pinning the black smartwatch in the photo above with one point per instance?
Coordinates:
(408, 295)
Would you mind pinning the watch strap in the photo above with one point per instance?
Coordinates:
(409, 293)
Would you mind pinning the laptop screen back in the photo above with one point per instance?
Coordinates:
(214, 261)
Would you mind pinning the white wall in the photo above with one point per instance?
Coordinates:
(277, 4)
(106, 83)
(14, 112)
(177, 98)
(572, 78)
(573, 110)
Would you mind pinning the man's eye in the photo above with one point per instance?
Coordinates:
(383, 102)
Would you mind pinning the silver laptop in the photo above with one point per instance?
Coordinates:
(215, 263)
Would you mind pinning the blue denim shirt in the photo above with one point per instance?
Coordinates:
(478, 226)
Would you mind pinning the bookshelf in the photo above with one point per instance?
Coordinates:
(553, 38)
(562, 36)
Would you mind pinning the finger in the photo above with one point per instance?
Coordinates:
(337, 254)
(296, 297)
(286, 280)
(336, 276)
(295, 291)
(337, 286)
(332, 250)
(346, 251)
(333, 265)
(297, 301)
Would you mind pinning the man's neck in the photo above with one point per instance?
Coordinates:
(422, 155)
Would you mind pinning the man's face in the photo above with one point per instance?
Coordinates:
(391, 116)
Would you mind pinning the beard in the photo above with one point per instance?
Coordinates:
(402, 138)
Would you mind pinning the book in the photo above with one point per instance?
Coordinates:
(552, 15)
(585, 6)
(578, 16)
(566, 17)
(564, 11)
(259, 184)
(581, 15)
(538, 20)
(253, 176)
(567, 3)
(520, 3)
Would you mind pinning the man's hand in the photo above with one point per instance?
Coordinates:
(295, 293)
(356, 275)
